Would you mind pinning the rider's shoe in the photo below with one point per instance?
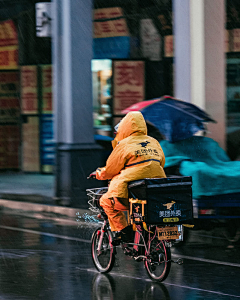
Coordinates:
(126, 235)
(117, 239)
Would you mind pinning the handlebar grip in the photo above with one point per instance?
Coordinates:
(91, 177)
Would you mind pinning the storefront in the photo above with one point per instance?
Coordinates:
(133, 61)
(9, 97)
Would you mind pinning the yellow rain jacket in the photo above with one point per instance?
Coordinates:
(135, 156)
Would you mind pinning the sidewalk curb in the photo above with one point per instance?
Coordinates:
(43, 208)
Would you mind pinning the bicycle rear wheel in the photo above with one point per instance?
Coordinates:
(105, 257)
(159, 263)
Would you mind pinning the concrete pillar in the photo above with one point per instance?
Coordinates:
(76, 153)
(199, 75)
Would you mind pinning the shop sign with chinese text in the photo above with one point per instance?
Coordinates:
(29, 90)
(128, 83)
(46, 89)
(109, 22)
(8, 46)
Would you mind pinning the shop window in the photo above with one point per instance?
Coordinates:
(102, 96)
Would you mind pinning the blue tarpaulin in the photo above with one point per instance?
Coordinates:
(213, 173)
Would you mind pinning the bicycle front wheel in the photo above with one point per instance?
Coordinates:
(104, 257)
(158, 264)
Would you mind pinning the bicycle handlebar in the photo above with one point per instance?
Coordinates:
(92, 176)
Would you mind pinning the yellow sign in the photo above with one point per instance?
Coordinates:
(9, 58)
(109, 22)
(170, 220)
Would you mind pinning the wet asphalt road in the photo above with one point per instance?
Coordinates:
(50, 259)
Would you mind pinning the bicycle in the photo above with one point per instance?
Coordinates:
(152, 242)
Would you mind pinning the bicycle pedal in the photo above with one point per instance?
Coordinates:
(127, 251)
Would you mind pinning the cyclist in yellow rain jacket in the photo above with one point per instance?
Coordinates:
(135, 156)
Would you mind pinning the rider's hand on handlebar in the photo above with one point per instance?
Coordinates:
(92, 175)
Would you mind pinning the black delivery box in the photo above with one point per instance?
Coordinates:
(169, 200)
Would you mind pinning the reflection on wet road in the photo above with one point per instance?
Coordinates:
(44, 259)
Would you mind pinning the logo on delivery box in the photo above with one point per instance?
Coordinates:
(169, 213)
(169, 205)
(137, 214)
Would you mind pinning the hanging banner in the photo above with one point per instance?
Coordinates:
(29, 92)
(8, 46)
(9, 58)
(46, 89)
(128, 83)
(8, 33)
(109, 22)
(150, 40)
(111, 34)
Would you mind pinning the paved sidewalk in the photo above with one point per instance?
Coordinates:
(36, 188)
(43, 209)
(33, 193)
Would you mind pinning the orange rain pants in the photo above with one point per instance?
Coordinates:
(114, 210)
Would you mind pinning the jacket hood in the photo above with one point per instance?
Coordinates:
(132, 123)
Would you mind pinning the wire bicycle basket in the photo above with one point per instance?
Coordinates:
(94, 196)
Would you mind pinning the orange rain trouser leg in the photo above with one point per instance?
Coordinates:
(114, 210)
